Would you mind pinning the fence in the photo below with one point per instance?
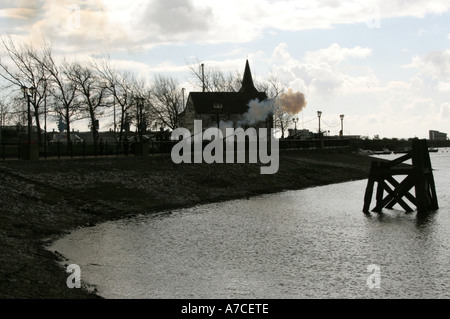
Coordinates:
(10, 151)
(311, 144)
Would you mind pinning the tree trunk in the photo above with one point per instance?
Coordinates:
(38, 126)
(122, 120)
(67, 124)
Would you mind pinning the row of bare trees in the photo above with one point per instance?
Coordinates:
(71, 90)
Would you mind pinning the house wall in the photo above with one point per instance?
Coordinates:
(210, 119)
(189, 116)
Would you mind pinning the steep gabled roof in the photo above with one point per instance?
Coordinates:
(247, 81)
(231, 102)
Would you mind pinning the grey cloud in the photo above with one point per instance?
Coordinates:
(177, 17)
(438, 63)
(19, 13)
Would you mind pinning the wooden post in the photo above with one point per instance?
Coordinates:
(369, 188)
(418, 175)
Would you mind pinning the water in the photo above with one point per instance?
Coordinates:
(314, 243)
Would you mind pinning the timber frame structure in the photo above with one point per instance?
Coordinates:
(418, 175)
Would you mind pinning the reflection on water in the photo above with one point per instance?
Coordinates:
(314, 243)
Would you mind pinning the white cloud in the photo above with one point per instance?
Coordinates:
(445, 111)
(331, 77)
(334, 54)
(444, 86)
(319, 71)
(17, 13)
(435, 64)
(141, 23)
(177, 17)
(397, 108)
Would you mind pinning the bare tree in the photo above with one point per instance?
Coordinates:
(167, 101)
(214, 80)
(274, 89)
(22, 68)
(12, 112)
(64, 91)
(141, 99)
(92, 94)
(119, 84)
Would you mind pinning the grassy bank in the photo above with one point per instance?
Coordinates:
(45, 199)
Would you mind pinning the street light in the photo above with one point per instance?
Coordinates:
(342, 125)
(139, 104)
(183, 90)
(295, 120)
(25, 91)
(319, 114)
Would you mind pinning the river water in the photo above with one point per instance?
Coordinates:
(313, 243)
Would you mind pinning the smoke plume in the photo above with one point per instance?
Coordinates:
(292, 102)
(258, 111)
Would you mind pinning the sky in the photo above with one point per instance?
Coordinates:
(384, 65)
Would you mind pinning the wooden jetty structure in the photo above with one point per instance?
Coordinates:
(419, 175)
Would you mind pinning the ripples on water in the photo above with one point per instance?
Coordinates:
(314, 243)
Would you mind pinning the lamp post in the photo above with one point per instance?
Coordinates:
(319, 115)
(114, 116)
(295, 120)
(342, 125)
(139, 104)
(183, 90)
(32, 91)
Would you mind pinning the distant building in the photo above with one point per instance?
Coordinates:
(438, 136)
(225, 109)
(301, 134)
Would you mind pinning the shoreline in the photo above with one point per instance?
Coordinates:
(46, 200)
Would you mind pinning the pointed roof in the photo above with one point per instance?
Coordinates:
(232, 102)
(247, 81)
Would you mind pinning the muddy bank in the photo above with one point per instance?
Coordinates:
(43, 200)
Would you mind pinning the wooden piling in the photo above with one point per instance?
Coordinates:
(419, 176)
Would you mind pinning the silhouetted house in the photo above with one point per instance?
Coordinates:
(438, 136)
(225, 109)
